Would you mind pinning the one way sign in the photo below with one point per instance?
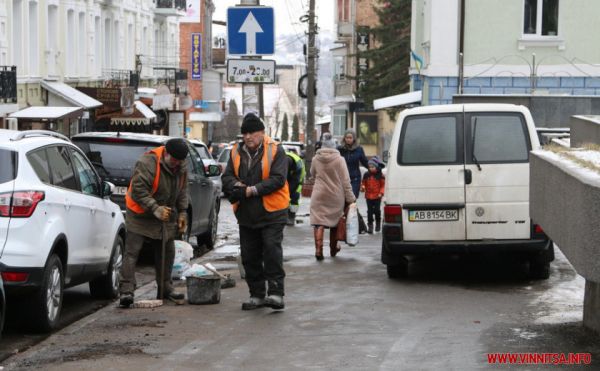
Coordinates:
(250, 30)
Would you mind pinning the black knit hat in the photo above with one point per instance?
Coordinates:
(177, 148)
(252, 123)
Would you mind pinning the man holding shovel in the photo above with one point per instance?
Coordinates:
(157, 205)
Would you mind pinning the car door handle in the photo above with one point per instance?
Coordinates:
(93, 210)
(468, 176)
(67, 204)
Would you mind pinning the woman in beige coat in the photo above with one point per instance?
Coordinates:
(331, 192)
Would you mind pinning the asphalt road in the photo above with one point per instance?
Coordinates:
(342, 313)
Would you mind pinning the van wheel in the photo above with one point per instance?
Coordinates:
(107, 286)
(209, 239)
(539, 267)
(47, 302)
(398, 270)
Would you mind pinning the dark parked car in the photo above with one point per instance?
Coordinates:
(2, 305)
(115, 154)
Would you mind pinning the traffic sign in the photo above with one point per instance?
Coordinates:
(250, 30)
(261, 71)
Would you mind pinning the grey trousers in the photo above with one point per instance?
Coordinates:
(133, 246)
(262, 256)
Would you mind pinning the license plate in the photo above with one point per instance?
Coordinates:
(120, 191)
(432, 215)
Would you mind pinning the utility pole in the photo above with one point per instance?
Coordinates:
(310, 89)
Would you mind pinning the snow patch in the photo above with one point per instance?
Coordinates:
(563, 302)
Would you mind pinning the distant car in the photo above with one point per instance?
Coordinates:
(115, 155)
(207, 160)
(216, 148)
(296, 147)
(58, 227)
(224, 158)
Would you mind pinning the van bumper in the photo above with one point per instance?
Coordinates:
(397, 248)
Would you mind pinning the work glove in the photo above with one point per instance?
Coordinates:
(182, 222)
(162, 213)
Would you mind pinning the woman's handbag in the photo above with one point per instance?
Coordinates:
(341, 228)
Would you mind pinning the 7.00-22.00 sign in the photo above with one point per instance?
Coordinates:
(250, 71)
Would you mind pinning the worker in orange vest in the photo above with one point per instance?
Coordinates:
(255, 183)
(157, 203)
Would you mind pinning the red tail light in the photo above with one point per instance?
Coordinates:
(537, 228)
(392, 213)
(15, 276)
(20, 204)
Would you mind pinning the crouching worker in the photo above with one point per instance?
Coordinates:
(255, 182)
(157, 205)
(295, 178)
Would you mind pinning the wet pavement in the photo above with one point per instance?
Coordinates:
(342, 313)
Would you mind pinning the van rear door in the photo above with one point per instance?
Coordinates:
(430, 181)
(497, 149)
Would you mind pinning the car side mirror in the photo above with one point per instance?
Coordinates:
(214, 170)
(107, 189)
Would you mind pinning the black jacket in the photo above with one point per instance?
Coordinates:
(251, 212)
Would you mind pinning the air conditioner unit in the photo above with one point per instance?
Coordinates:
(12, 123)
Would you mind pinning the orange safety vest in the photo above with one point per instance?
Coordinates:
(275, 201)
(129, 202)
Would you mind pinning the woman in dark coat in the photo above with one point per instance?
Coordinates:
(354, 155)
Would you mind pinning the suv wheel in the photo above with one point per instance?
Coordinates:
(107, 286)
(47, 302)
(209, 239)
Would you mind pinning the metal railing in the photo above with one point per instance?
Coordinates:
(8, 84)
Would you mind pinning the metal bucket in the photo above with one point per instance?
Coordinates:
(203, 290)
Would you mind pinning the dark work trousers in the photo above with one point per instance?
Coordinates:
(373, 210)
(262, 256)
(133, 246)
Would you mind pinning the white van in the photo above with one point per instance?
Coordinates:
(458, 182)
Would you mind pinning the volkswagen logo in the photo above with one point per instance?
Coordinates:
(479, 211)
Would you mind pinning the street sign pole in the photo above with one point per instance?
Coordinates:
(252, 94)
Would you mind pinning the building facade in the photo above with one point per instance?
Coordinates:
(508, 47)
(86, 43)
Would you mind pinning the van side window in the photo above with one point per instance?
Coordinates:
(429, 140)
(498, 138)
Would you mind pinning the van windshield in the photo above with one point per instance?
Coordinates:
(498, 138)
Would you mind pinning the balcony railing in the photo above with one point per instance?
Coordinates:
(171, 7)
(8, 84)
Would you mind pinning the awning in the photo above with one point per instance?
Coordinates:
(43, 113)
(71, 95)
(144, 110)
(398, 100)
(206, 116)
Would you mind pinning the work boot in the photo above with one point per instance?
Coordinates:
(334, 246)
(319, 232)
(253, 303)
(126, 300)
(370, 228)
(274, 302)
(174, 296)
(378, 223)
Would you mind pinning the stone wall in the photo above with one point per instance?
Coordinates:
(585, 129)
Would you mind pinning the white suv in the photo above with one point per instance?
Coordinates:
(58, 227)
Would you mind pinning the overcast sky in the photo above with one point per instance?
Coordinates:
(287, 13)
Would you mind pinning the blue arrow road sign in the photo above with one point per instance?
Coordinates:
(250, 30)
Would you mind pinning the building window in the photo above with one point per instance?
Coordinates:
(339, 122)
(51, 39)
(81, 52)
(107, 43)
(71, 34)
(339, 67)
(98, 46)
(343, 8)
(17, 42)
(540, 17)
(33, 39)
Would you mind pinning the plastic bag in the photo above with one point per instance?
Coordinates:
(197, 270)
(183, 254)
(352, 225)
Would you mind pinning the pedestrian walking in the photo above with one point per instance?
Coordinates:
(295, 178)
(331, 192)
(157, 205)
(373, 184)
(255, 183)
(354, 155)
